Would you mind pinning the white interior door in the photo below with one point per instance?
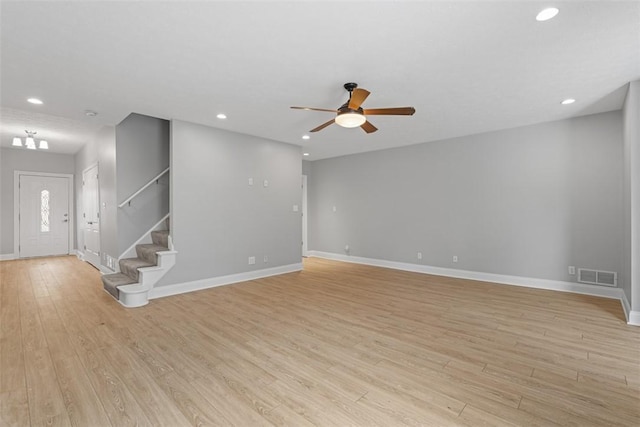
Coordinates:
(305, 247)
(43, 216)
(91, 216)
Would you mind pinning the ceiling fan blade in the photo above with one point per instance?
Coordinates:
(315, 109)
(368, 127)
(357, 98)
(399, 111)
(322, 126)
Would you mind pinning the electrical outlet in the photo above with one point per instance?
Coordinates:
(265, 259)
(250, 181)
(419, 255)
(572, 270)
(252, 260)
(455, 258)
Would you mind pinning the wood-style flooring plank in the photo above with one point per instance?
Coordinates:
(335, 344)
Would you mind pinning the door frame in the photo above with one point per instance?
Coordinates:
(305, 223)
(81, 218)
(16, 207)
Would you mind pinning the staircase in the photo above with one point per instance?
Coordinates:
(138, 275)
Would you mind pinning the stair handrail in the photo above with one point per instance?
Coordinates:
(131, 197)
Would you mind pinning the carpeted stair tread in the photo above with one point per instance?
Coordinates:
(130, 266)
(148, 252)
(160, 238)
(112, 281)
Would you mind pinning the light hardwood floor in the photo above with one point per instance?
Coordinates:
(335, 345)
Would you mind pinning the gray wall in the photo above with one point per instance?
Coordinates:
(25, 160)
(528, 201)
(142, 152)
(218, 220)
(306, 167)
(631, 270)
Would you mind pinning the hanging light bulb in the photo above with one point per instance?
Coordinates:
(30, 142)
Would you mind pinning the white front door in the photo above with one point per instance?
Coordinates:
(91, 216)
(43, 215)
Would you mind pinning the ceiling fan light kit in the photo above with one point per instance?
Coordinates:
(352, 115)
(350, 119)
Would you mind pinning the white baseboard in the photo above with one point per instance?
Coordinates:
(197, 285)
(626, 306)
(7, 257)
(101, 268)
(529, 282)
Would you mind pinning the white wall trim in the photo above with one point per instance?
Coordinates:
(529, 282)
(634, 318)
(625, 306)
(7, 257)
(102, 269)
(16, 206)
(212, 282)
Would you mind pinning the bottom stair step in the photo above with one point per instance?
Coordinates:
(130, 266)
(112, 281)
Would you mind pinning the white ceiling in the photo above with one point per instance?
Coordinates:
(467, 67)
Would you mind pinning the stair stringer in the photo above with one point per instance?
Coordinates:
(130, 252)
(137, 294)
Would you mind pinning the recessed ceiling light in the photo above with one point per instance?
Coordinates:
(221, 116)
(547, 14)
(568, 101)
(90, 113)
(305, 137)
(34, 101)
(305, 154)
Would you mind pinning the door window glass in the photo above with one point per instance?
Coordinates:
(44, 211)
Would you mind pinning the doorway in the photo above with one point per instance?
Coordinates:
(43, 214)
(91, 216)
(305, 247)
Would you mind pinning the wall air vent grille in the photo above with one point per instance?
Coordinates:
(596, 277)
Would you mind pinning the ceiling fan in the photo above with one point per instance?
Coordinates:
(351, 114)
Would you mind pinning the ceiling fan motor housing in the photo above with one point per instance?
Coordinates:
(350, 86)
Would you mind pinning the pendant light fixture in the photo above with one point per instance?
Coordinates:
(30, 142)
